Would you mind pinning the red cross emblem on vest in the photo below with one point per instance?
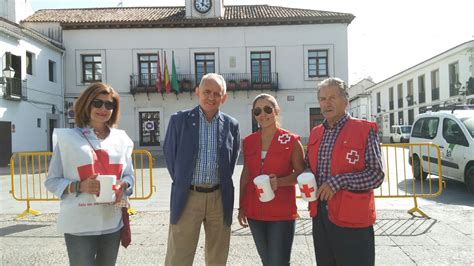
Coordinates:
(352, 157)
(283, 139)
(307, 190)
(100, 165)
(259, 191)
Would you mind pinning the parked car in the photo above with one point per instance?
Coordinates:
(452, 129)
(400, 134)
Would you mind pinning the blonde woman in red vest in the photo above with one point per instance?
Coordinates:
(344, 156)
(278, 153)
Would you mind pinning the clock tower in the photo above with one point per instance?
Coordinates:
(197, 9)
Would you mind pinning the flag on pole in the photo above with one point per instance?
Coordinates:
(166, 80)
(159, 80)
(174, 76)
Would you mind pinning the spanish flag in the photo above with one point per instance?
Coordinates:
(159, 80)
(166, 80)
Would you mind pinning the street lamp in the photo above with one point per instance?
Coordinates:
(409, 99)
(7, 72)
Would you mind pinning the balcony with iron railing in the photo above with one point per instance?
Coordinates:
(435, 94)
(400, 102)
(421, 97)
(14, 89)
(146, 83)
(453, 90)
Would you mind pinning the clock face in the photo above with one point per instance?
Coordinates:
(202, 6)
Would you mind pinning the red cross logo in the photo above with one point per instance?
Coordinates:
(352, 157)
(259, 191)
(307, 190)
(100, 165)
(283, 139)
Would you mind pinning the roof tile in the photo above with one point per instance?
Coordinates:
(175, 16)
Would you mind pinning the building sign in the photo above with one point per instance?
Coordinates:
(149, 125)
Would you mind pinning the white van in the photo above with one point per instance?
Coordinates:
(452, 129)
(400, 134)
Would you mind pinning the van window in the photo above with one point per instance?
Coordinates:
(406, 129)
(426, 128)
(469, 123)
(417, 128)
(452, 133)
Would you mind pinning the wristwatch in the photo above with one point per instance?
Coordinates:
(124, 186)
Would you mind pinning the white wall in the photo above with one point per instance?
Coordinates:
(41, 94)
(463, 54)
(288, 44)
(15, 10)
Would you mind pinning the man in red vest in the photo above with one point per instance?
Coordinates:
(344, 155)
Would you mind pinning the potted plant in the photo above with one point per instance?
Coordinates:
(244, 83)
(266, 86)
(231, 84)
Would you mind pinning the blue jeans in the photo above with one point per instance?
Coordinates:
(92, 250)
(273, 240)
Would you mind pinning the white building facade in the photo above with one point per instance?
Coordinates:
(281, 51)
(32, 97)
(445, 79)
(359, 99)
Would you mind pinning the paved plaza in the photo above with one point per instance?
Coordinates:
(401, 239)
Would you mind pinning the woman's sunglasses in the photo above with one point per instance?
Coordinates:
(99, 103)
(267, 109)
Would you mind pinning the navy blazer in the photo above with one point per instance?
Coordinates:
(181, 150)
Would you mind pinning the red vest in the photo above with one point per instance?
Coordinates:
(345, 209)
(278, 162)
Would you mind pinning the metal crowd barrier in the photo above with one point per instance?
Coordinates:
(404, 178)
(30, 169)
(399, 181)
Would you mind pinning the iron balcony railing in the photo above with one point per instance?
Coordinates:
(15, 89)
(146, 83)
(421, 97)
(435, 94)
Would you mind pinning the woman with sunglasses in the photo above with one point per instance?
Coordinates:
(92, 230)
(278, 153)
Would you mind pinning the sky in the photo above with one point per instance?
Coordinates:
(385, 38)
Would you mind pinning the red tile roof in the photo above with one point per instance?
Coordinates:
(244, 15)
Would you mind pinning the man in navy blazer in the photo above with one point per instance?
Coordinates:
(201, 148)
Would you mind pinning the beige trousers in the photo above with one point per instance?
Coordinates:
(183, 237)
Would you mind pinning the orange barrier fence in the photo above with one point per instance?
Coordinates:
(29, 170)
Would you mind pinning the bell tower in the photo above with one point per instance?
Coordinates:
(203, 9)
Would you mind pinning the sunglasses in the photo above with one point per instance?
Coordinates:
(267, 109)
(99, 103)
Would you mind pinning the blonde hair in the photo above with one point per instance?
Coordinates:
(273, 102)
(82, 106)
